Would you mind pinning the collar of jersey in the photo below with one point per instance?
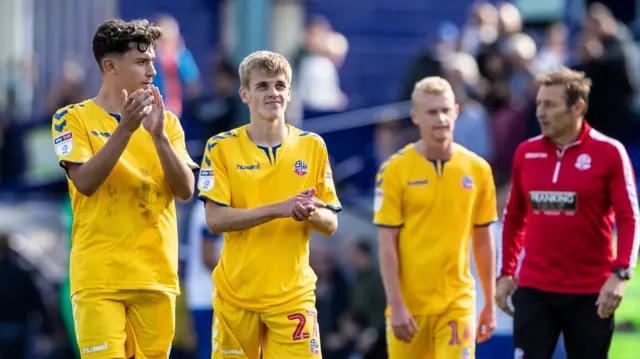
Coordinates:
(114, 115)
(245, 134)
(584, 134)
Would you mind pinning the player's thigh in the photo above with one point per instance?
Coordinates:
(152, 318)
(292, 333)
(100, 321)
(536, 328)
(586, 335)
(455, 334)
(236, 332)
(422, 345)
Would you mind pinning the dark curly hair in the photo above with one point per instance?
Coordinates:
(116, 37)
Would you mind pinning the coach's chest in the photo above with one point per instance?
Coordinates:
(561, 179)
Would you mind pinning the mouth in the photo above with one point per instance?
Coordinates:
(443, 128)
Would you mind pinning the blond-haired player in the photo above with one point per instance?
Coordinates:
(266, 186)
(431, 198)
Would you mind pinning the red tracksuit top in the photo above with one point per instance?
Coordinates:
(561, 210)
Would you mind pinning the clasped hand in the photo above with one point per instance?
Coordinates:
(144, 106)
(301, 206)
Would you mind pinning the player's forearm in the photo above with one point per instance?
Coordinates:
(626, 237)
(177, 174)
(227, 219)
(324, 221)
(389, 268)
(92, 174)
(484, 253)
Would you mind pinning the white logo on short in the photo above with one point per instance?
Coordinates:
(377, 199)
(518, 354)
(232, 352)
(583, 162)
(206, 180)
(63, 144)
(96, 348)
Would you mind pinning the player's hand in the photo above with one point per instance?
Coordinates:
(403, 325)
(610, 296)
(505, 288)
(306, 200)
(135, 108)
(154, 122)
(486, 323)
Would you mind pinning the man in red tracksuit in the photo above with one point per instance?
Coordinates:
(569, 187)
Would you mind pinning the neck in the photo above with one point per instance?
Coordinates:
(267, 133)
(109, 99)
(571, 136)
(436, 151)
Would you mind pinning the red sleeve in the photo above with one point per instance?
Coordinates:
(514, 220)
(624, 197)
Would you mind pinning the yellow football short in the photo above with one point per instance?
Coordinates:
(447, 335)
(292, 333)
(123, 323)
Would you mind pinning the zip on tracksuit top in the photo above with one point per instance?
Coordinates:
(563, 203)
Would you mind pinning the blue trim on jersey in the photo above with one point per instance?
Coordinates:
(335, 209)
(116, 116)
(483, 224)
(274, 149)
(388, 226)
(205, 199)
(266, 150)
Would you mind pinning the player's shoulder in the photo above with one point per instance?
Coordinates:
(605, 146)
(224, 139)
(472, 157)
(71, 111)
(399, 160)
(307, 137)
(531, 147)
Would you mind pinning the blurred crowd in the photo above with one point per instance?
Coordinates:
(492, 61)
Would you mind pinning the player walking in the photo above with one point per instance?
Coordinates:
(431, 198)
(122, 181)
(266, 186)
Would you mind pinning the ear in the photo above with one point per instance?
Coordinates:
(243, 95)
(413, 117)
(457, 109)
(109, 65)
(580, 106)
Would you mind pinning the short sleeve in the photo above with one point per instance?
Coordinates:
(213, 182)
(70, 139)
(326, 190)
(176, 137)
(486, 208)
(387, 204)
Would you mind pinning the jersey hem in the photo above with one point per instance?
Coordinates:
(334, 208)
(388, 225)
(130, 286)
(484, 224)
(205, 198)
(563, 289)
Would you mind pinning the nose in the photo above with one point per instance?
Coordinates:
(151, 71)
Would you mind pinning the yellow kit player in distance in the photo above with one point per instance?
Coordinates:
(126, 161)
(266, 186)
(430, 199)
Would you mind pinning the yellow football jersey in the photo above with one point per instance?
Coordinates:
(125, 235)
(435, 204)
(267, 266)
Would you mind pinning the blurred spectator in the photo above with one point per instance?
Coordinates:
(21, 88)
(608, 57)
(20, 305)
(481, 28)
(178, 77)
(429, 60)
(318, 83)
(203, 255)
(555, 51)
(331, 287)
(69, 89)
(367, 299)
(472, 128)
(520, 50)
(219, 112)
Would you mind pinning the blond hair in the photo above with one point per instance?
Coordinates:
(433, 85)
(270, 62)
(577, 86)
